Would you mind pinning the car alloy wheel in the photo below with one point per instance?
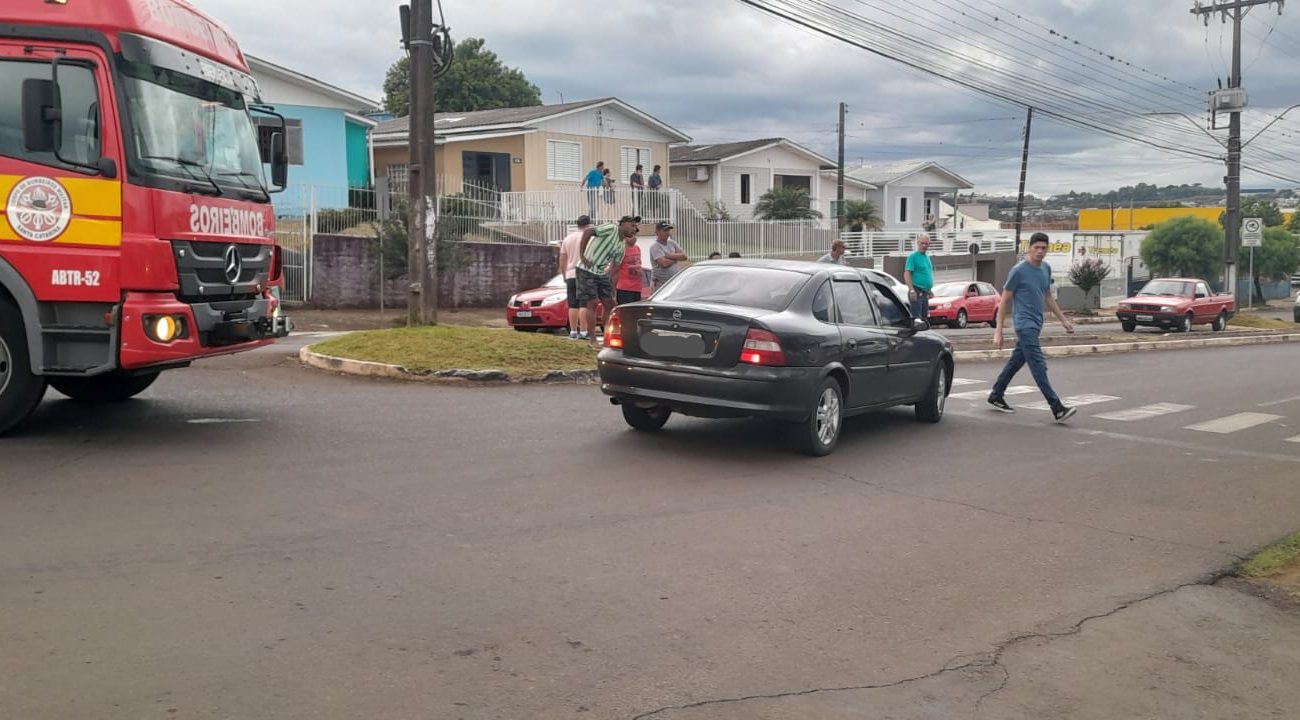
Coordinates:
(6, 365)
(941, 382)
(1186, 324)
(828, 416)
(961, 319)
(1220, 322)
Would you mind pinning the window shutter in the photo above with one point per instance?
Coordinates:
(563, 160)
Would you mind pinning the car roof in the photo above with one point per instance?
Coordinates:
(801, 266)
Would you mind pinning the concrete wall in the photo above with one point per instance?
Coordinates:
(345, 274)
(991, 268)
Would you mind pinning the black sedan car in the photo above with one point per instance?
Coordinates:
(806, 343)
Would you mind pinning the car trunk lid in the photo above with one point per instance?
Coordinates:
(702, 334)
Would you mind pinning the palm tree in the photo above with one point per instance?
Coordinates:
(785, 203)
(862, 215)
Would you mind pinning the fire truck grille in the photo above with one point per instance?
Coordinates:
(210, 271)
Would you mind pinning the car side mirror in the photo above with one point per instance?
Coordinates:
(42, 113)
(919, 325)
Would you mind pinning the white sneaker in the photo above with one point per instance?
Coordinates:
(582, 336)
(573, 335)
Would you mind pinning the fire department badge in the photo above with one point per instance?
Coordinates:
(39, 209)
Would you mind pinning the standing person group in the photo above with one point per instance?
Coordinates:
(599, 185)
(602, 251)
(918, 275)
(1028, 288)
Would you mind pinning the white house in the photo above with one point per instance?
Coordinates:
(909, 193)
(737, 174)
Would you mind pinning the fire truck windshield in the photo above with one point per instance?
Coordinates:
(192, 132)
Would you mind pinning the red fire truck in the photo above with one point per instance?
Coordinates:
(135, 220)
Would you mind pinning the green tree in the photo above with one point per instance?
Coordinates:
(785, 203)
(1266, 209)
(862, 215)
(1294, 224)
(1275, 259)
(476, 80)
(1184, 246)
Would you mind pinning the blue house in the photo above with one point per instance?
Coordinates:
(327, 136)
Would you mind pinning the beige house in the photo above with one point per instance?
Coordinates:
(546, 147)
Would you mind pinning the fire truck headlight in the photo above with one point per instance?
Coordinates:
(164, 328)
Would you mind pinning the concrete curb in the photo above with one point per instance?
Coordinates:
(1102, 348)
(366, 368)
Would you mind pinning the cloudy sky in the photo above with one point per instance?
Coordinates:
(721, 70)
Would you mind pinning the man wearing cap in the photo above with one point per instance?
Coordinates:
(578, 327)
(664, 254)
(601, 247)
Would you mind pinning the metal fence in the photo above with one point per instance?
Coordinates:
(881, 244)
(601, 205)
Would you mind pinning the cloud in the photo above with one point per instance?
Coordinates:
(723, 71)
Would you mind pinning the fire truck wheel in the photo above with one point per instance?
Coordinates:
(20, 389)
(112, 387)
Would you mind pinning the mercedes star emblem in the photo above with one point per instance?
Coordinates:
(234, 264)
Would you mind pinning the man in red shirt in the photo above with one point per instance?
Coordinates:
(627, 284)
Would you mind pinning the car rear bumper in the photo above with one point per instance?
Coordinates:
(1155, 319)
(783, 393)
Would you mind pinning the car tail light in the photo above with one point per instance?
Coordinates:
(614, 329)
(761, 348)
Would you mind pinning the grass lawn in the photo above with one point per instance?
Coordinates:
(448, 347)
(1273, 559)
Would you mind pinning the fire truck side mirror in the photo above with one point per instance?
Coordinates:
(42, 115)
(279, 161)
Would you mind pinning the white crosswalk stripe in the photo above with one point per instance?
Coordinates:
(1233, 423)
(1073, 401)
(958, 382)
(981, 394)
(1145, 412)
(1295, 439)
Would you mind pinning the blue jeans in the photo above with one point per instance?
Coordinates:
(1027, 351)
(921, 305)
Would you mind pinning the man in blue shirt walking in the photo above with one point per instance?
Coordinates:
(1028, 288)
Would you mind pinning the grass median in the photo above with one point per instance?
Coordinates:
(1258, 322)
(447, 347)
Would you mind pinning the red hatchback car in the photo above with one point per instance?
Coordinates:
(961, 303)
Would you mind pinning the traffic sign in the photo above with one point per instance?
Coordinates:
(1252, 232)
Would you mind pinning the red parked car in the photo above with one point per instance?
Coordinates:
(1177, 303)
(961, 303)
(546, 307)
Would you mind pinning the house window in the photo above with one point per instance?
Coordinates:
(929, 207)
(397, 177)
(629, 158)
(563, 160)
(902, 210)
(292, 137)
(745, 184)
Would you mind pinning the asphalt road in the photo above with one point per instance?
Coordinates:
(251, 539)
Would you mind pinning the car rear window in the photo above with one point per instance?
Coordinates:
(762, 288)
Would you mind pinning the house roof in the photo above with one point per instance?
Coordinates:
(882, 175)
(358, 103)
(721, 152)
(520, 119)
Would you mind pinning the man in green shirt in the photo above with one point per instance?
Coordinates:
(918, 274)
(601, 248)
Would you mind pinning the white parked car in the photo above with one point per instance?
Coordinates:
(1295, 313)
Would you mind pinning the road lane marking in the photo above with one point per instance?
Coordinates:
(1145, 412)
(1295, 439)
(1233, 423)
(221, 421)
(958, 382)
(1283, 401)
(1074, 401)
(981, 394)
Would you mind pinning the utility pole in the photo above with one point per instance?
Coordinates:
(422, 302)
(1234, 102)
(839, 177)
(1024, 169)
